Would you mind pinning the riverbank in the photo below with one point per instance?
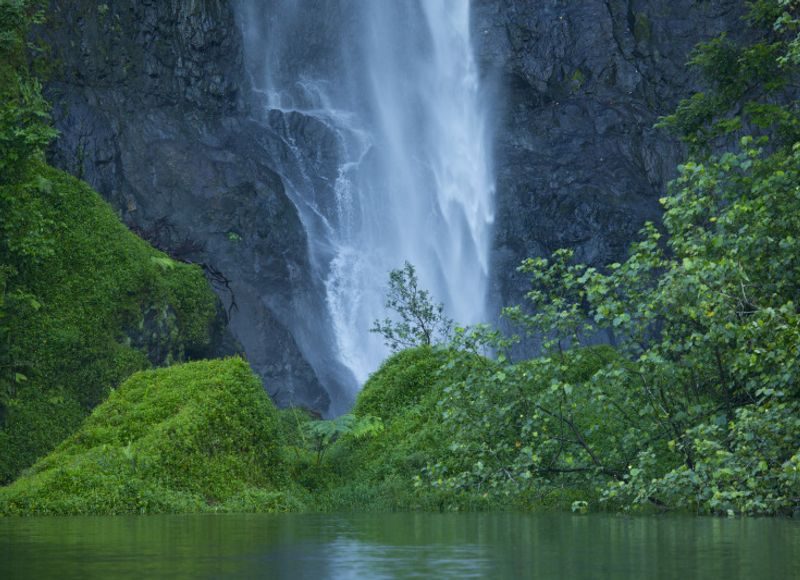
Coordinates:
(204, 437)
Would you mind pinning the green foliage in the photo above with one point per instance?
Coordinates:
(320, 435)
(517, 431)
(201, 436)
(748, 84)
(24, 114)
(710, 333)
(85, 302)
(421, 322)
(700, 405)
(35, 420)
(398, 409)
(788, 23)
(402, 380)
(458, 434)
(256, 500)
(749, 465)
(12, 304)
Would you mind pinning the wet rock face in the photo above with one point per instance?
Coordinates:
(148, 99)
(578, 162)
(160, 53)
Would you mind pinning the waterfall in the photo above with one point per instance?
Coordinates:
(386, 152)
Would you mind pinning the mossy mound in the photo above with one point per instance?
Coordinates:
(86, 303)
(377, 473)
(402, 380)
(201, 436)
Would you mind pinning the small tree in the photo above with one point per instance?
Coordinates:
(421, 322)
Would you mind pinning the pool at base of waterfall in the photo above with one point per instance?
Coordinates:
(400, 545)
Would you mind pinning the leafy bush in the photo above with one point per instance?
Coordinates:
(749, 86)
(24, 114)
(750, 465)
(711, 326)
(519, 430)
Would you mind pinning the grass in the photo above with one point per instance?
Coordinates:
(201, 436)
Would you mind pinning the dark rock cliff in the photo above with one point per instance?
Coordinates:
(578, 162)
(152, 102)
(147, 99)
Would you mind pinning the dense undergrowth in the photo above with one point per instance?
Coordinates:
(204, 436)
(458, 432)
(83, 301)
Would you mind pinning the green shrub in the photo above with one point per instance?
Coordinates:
(377, 473)
(516, 432)
(402, 380)
(749, 465)
(105, 307)
(197, 436)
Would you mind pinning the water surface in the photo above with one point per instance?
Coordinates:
(399, 546)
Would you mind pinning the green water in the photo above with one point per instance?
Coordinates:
(399, 546)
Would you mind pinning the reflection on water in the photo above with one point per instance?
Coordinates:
(348, 558)
(399, 546)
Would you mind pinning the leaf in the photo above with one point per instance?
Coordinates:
(163, 262)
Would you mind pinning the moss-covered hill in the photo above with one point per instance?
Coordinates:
(192, 437)
(85, 303)
(377, 473)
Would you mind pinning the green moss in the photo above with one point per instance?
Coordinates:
(405, 393)
(642, 28)
(576, 80)
(193, 437)
(108, 305)
(33, 421)
(402, 380)
(378, 473)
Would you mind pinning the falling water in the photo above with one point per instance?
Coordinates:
(388, 151)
